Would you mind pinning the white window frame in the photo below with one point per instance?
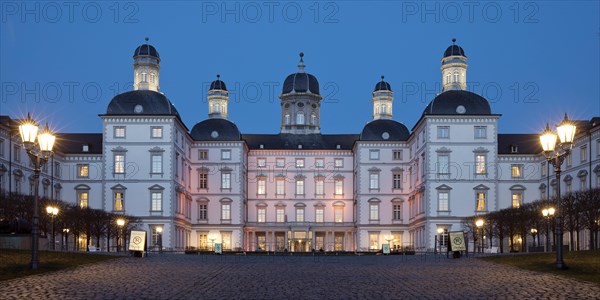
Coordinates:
(261, 215)
(374, 181)
(319, 214)
(300, 186)
(397, 154)
(338, 162)
(516, 171)
(156, 200)
(444, 201)
(156, 166)
(261, 186)
(300, 216)
(83, 171)
(261, 162)
(480, 132)
(280, 162)
(119, 163)
(119, 132)
(338, 187)
(443, 132)
(374, 154)
(225, 180)
(156, 132)
(202, 154)
(280, 214)
(226, 154)
(299, 162)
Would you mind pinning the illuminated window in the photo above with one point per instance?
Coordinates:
(338, 162)
(516, 171)
(152, 77)
(320, 186)
(261, 162)
(480, 167)
(374, 240)
(156, 132)
(443, 132)
(83, 171)
(119, 166)
(119, 132)
(82, 199)
(374, 181)
(299, 162)
(119, 201)
(280, 186)
(156, 199)
(299, 214)
(262, 187)
(339, 187)
(517, 199)
(455, 77)
(319, 215)
(319, 163)
(280, 215)
(443, 201)
(225, 181)
(338, 214)
(480, 201)
(261, 215)
(374, 211)
(299, 186)
(144, 77)
(226, 211)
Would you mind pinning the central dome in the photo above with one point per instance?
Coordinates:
(458, 102)
(301, 82)
(141, 102)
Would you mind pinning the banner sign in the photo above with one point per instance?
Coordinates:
(457, 241)
(137, 240)
(386, 248)
(218, 248)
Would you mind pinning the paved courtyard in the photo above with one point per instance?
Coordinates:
(293, 277)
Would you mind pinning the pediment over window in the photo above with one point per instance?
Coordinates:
(225, 200)
(481, 150)
(443, 187)
(156, 187)
(300, 204)
(543, 186)
(119, 149)
(397, 200)
(597, 169)
(299, 176)
(82, 187)
(261, 204)
(339, 203)
(374, 200)
(118, 187)
(517, 187)
(374, 169)
(156, 149)
(280, 204)
(203, 200)
(568, 178)
(203, 169)
(481, 187)
(582, 173)
(319, 204)
(338, 176)
(443, 150)
(397, 170)
(18, 173)
(553, 182)
(225, 169)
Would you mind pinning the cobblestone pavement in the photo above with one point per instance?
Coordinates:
(171, 276)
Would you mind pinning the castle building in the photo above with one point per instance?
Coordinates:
(298, 190)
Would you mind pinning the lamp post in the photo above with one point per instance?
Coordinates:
(66, 234)
(159, 230)
(548, 213)
(533, 234)
(120, 223)
(440, 232)
(555, 156)
(38, 154)
(479, 224)
(52, 211)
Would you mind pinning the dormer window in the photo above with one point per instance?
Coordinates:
(85, 148)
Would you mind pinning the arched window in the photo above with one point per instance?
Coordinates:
(455, 77)
(287, 119)
(152, 76)
(447, 78)
(313, 119)
(300, 118)
(383, 109)
(144, 77)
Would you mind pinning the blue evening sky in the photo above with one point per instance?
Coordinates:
(534, 61)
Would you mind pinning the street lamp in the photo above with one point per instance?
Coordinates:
(120, 223)
(555, 156)
(52, 211)
(38, 154)
(479, 224)
(548, 213)
(159, 230)
(66, 234)
(533, 234)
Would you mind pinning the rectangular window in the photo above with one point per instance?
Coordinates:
(57, 168)
(598, 148)
(374, 181)
(338, 214)
(443, 164)
(480, 201)
(319, 163)
(203, 211)
(443, 201)
(480, 164)
(397, 181)
(83, 171)
(543, 168)
(319, 215)
(226, 240)
(516, 171)
(300, 214)
(202, 179)
(83, 198)
(202, 154)
(280, 187)
(517, 200)
(262, 215)
(570, 159)
(339, 187)
(119, 132)
(280, 162)
(373, 240)
(397, 154)
(320, 187)
(299, 162)
(1, 148)
(373, 154)
(338, 162)
(299, 186)
(226, 154)
(119, 166)
(374, 211)
(443, 132)
(157, 201)
(262, 187)
(156, 132)
(17, 153)
(261, 162)
(119, 199)
(397, 213)
(280, 215)
(226, 211)
(583, 153)
(156, 163)
(480, 132)
(225, 181)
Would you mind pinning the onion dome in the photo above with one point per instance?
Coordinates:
(301, 82)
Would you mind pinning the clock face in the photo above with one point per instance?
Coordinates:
(214, 134)
(461, 109)
(138, 109)
(385, 135)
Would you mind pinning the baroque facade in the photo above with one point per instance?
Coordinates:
(298, 190)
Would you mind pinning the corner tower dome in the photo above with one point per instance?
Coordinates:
(146, 67)
(454, 68)
(218, 99)
(382, 100)
(300, 103)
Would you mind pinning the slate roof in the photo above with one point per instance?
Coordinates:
(454, 101)
(215, 130)
(376, 131)
(150, 102)
(72, 143)
(527, 143)
(308, 141)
